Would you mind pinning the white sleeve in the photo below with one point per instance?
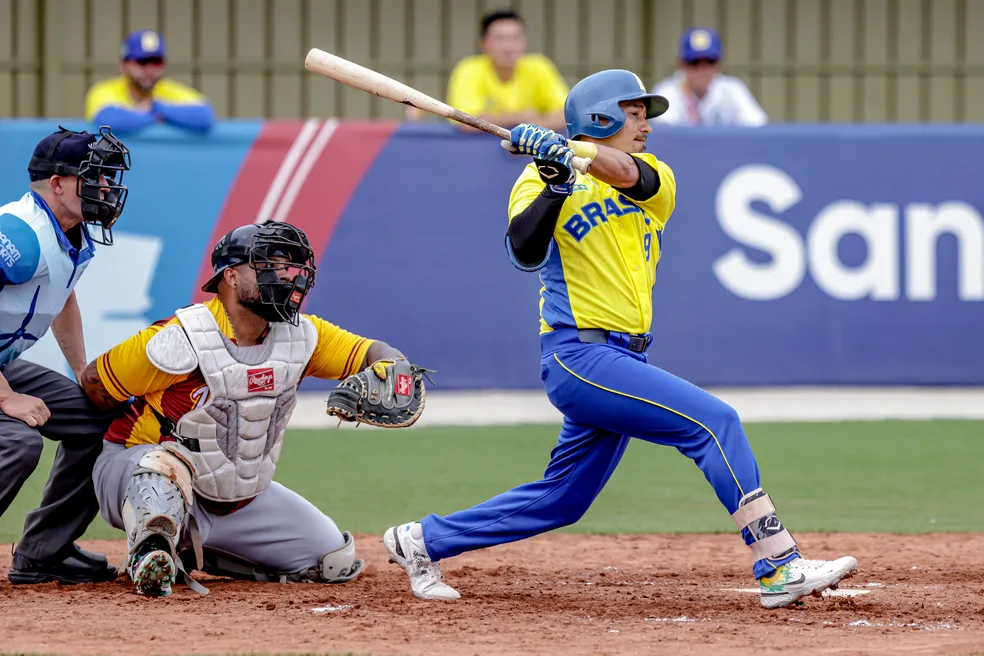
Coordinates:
(747, 111)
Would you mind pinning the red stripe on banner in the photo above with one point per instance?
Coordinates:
(247, 193)
(327, 164)
(334, 178)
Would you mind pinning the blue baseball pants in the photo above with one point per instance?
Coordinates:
(607, 395)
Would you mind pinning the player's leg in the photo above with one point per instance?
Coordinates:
(20, 451)
(619, 390)
(580, 465)
(282, 536)
(47, 551)
(145, 490)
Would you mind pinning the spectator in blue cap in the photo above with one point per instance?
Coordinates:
(699, 93)
(142, 96)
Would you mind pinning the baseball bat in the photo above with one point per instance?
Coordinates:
(347, 72)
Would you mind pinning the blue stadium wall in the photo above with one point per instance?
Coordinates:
(802, 254)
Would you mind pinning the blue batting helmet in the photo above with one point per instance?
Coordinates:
(597, 96)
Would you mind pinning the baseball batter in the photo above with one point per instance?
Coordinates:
(187, 472)
(596, 241)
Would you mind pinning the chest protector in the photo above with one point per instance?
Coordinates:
(234, 437)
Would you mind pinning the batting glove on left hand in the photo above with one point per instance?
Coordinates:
(555, 169)
(526, 138)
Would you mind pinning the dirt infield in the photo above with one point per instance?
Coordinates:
(557, 594)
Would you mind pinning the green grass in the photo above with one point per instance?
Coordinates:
(894, 477)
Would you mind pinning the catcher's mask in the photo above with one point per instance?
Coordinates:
(269, 248)
(98, 162)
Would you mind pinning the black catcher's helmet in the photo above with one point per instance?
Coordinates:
(257, 246)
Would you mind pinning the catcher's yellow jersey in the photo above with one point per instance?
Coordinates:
(126, 371)
(601, 266)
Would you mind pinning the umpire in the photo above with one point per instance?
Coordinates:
(46, 242)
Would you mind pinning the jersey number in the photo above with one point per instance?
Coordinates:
(200, 396)
(647, 241)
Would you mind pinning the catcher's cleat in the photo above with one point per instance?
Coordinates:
(153, 573)
(799, 578)
(405, 545)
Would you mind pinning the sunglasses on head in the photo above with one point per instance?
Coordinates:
(150, 61)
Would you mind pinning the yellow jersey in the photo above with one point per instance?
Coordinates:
(115, 92)
(126, 371)
(600, 268)
(475, 88)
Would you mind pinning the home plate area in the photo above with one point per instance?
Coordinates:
(555, 594)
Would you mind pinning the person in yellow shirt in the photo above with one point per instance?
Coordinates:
(504, 85)
(142, 96)
(596, 241)
(187, 471)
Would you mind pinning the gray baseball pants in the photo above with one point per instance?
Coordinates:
(279, 529)
(68, 504)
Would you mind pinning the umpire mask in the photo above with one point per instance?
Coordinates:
(98, 164)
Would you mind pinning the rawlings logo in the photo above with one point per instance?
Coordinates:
(259, 380)
(295, 297)
(403, 384)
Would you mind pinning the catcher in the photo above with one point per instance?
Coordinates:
(187, 471)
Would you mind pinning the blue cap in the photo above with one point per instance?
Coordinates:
(142, 44)
(700, 43)
(60, 153)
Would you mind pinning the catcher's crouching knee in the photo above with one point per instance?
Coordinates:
(338, 566)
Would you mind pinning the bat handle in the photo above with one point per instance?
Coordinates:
(581, 164)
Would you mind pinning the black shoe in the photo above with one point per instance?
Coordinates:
(95, 559)
(78, 566)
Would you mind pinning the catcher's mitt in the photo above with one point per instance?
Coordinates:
(389, 394)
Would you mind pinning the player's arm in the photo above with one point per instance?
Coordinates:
(339, 353)
(96, 389)
(655, 192)
(534, 210)
(67, 328)
(184, 107)
(380, 351)
(617, 168)
(19, 238)
(125, 371)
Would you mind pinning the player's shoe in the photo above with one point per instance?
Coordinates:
(405, 544)
(800, 577)
(153, 573)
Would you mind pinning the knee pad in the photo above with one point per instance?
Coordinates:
(757, 513)
(158, 496)
(338, 566)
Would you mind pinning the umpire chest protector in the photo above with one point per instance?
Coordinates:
(234, 438)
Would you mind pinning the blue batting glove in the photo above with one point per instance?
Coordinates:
(557, 172)
(526, 138)
(554, 148)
